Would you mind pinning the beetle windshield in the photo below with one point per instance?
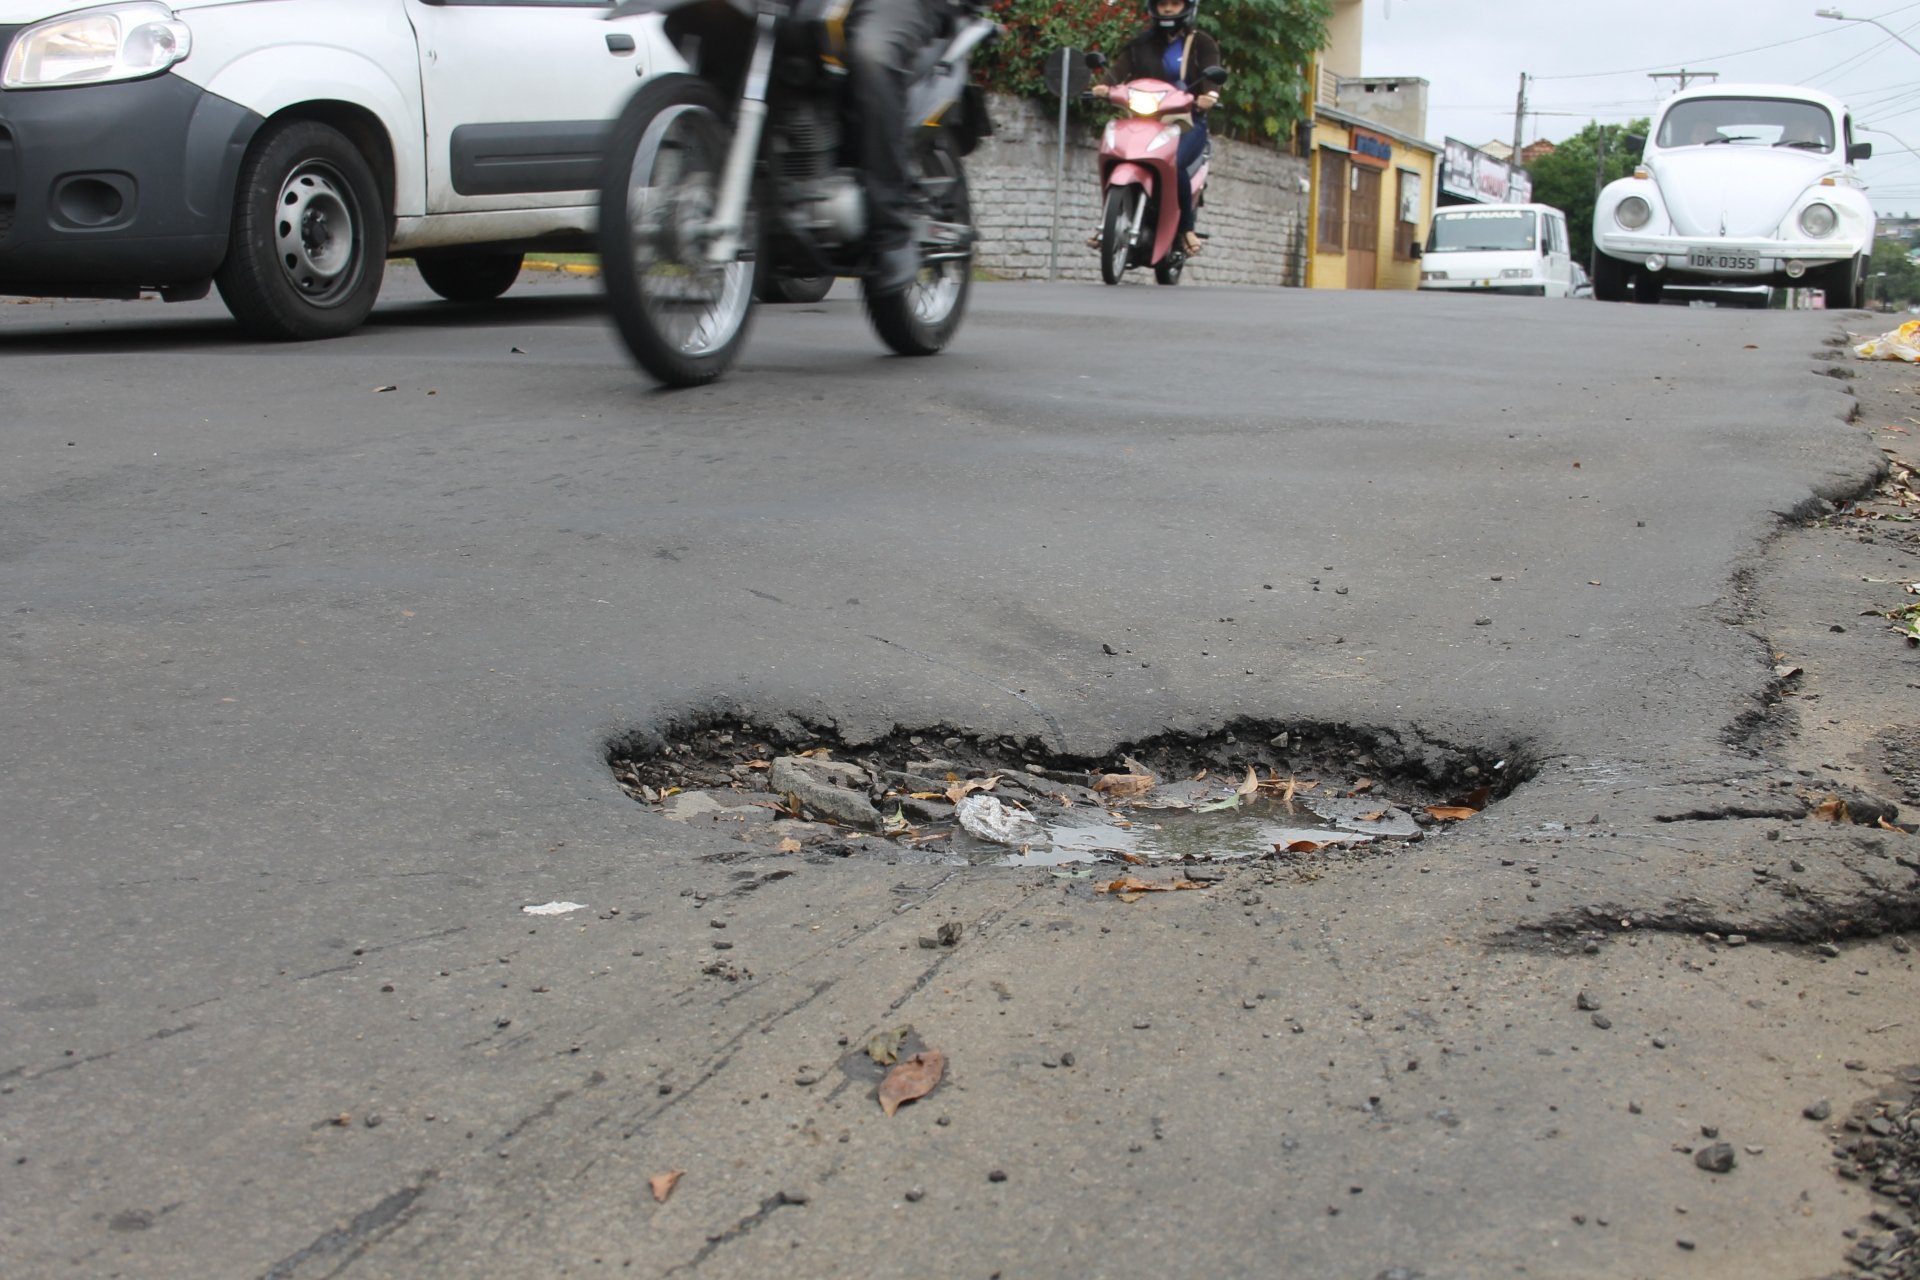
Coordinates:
(1482, 229)
(1748, 122)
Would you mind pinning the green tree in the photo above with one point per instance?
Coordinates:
(1567, 178)
(1267, 45)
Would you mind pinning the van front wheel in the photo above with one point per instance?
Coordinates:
(309, 238)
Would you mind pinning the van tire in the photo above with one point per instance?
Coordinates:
(468, 275)
(308, 244)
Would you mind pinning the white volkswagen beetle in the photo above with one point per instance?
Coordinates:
(1739, 185)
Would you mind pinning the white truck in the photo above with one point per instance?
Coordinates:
(282, 150)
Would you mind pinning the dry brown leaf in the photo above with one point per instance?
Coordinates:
(1361, 784)
(1832, 809)
(1375, 816)
(915, 1078)
(1249, 784)
(1475, 799)
(1124, 784)
(1300, 846)
(1131, 887)
(1888, 826)
(662, 1183)
(1450, 812)
(759, 764)
(961, 790)
(1133, 858)
(1201, 776)
(788, 845)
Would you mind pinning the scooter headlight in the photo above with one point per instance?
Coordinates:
(1144, 103)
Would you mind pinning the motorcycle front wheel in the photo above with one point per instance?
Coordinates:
(1116, 230)
(922, 319)
(682, 316)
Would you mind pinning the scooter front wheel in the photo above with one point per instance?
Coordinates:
(1116, 230)
(682, 315)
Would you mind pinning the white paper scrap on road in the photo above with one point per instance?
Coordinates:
(554, 908)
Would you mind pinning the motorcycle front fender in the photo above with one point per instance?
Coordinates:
(1128, 174)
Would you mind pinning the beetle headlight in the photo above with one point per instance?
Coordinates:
(1819, 220)
(1632, 213)
(119, 42)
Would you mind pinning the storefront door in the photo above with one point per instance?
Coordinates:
(1363, 230)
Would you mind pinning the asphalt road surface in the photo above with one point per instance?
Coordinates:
(314, 654)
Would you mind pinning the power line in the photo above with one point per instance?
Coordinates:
(1737, 53)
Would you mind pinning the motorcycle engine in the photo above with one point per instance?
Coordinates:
(823, 198)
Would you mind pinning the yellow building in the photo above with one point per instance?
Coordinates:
(1373, 192)
(1374, 179)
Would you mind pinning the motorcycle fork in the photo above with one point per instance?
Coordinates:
(730, 208)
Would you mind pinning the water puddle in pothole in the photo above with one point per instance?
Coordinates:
(954, 800)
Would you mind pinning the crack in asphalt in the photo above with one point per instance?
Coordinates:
(357, 1235)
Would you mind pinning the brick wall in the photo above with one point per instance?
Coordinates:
(1255, 215)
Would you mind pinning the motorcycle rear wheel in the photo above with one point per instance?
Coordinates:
(683, 317)
(1115, 226)
(922, 319)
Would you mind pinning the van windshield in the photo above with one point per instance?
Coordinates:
(1480, 230)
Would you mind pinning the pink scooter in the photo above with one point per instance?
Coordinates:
(1140, 225)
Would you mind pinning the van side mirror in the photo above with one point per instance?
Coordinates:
(1860, 151)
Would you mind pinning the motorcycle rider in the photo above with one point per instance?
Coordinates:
(883, 38)
(1171, 48)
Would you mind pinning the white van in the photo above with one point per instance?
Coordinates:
(1499, 248)
(283, 149)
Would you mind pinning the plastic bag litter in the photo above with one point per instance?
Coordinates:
(988, 819)
(1896, 344)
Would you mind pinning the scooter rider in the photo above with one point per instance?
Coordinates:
(884, 36)
(1172, 49)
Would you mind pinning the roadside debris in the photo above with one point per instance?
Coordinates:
(1895, 344)
(554, 908)
(663, 1183)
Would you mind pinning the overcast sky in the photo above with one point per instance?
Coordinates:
(1592, 63)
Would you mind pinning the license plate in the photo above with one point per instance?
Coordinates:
(1701, 261)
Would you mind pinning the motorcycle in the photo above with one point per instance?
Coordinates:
(1140, 215)
(740, 179)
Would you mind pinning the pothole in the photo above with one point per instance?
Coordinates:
(1248, 790)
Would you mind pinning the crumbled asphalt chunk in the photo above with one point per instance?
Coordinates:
(1585, 1001)
(1717, 1158)
(1817, 1110)
(1603, 1022)
(997, 1175)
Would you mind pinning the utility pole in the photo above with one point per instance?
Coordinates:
(1519, 119)
(1684, 76)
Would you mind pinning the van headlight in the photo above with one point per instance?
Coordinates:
(1632, 213)
(93, 46)
(1819, 220)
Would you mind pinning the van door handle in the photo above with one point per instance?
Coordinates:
(619, 42)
